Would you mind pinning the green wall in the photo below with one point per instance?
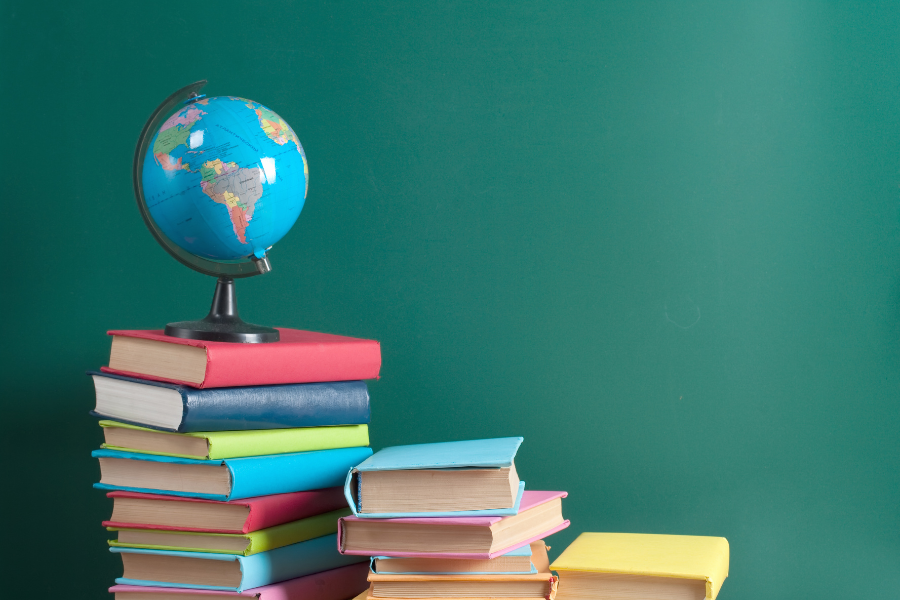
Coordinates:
(658, 240)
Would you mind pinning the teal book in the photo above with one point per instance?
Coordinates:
(445, 479)
(226, 479)
(229, 572)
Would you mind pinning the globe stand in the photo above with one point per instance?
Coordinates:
(223, 324)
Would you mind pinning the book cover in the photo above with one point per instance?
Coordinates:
(262, 512)
(259, 442)
(250, 407)
(299, 357)
(488, 453)
(530, 499)
(258, 475)
(334, 584)
(281, 564)
(678, 556)
(496, 453)
(262, 540)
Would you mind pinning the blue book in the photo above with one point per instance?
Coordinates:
(446, 479)
(226, 479)
(180, 408)
(207, 572)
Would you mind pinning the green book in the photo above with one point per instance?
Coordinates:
(217, 445)
(243, 544)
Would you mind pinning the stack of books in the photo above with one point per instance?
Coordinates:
(450, 520)
(225, 463)
(629, 566)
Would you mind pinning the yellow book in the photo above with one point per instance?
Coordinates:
(635, 566)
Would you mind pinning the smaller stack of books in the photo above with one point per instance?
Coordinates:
(225, 463)
(628, 566)
(450, 520)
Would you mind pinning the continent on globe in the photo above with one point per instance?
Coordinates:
(237, 188)
(274, 126)
(173, 133)
(278, 131)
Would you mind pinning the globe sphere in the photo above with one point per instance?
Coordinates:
(225, 178)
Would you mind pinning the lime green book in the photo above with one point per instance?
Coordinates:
(243, 544)
(217, 445)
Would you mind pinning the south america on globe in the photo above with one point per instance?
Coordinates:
(225, 178)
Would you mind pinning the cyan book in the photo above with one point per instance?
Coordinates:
(281, 564)
(227, 479)
(448, 461)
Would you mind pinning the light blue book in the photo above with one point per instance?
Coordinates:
(281, 564)
(389, 565)
(230, 478)
(496, 453)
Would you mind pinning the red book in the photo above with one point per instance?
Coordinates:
(135, 510)
(299, 357)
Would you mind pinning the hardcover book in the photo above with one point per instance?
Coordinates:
(227, 479)
(521, 561)
(215, 445)
(183, 409)
(334, 584)
(135, 510)
(479, 538)
(245, 544)
(537, 585)
(622, 566)
(299, 357)
(465, 478)
(226, 572)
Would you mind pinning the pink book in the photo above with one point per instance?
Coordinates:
(261, 512)
(549, 518)
(299, 357)
(337, 584)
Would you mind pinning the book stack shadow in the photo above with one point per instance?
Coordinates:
(450, 520)
(226, 463)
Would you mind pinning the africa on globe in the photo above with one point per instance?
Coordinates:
(225, 178)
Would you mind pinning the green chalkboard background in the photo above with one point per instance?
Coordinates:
(658, 240)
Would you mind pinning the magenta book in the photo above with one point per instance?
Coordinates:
(531, 500)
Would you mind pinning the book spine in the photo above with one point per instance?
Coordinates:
(294, 532)
(296, 560)
(276, 406)
(269, 511)
(262, 442)
(279, 474)
(270, 364)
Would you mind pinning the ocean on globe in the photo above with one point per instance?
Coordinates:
(225, 178)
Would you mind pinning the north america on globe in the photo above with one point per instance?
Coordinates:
(225, 178)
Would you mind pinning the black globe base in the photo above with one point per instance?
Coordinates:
(223, 324)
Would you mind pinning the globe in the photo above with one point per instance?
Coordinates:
(218, 181)
(224, 178)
